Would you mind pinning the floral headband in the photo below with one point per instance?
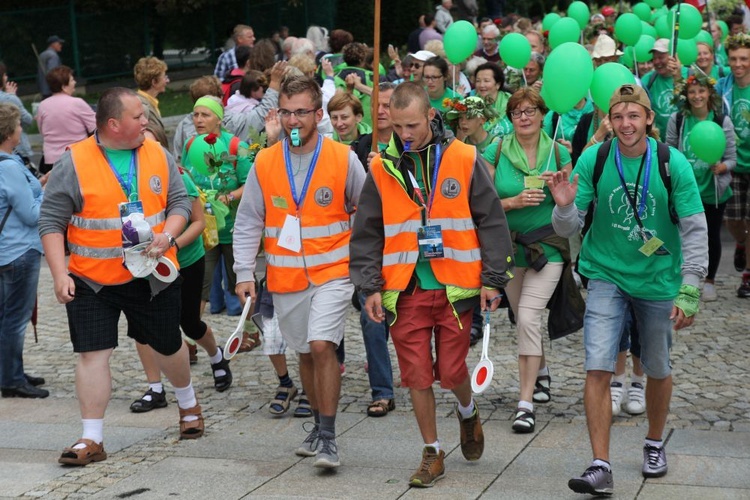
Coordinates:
(471, 107)
(679, 98)
(738, 41)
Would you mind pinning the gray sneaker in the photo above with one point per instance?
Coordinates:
(654, 461)
(596, 480)
(309, 447)
(328, 453)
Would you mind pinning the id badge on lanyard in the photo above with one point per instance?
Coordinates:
(429, 237)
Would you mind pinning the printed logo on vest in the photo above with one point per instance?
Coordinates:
(155, 184)
(323, 196)
(450, 188)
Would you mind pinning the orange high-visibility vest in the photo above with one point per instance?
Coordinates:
(402, 217)
(95, 233)
(324, 220)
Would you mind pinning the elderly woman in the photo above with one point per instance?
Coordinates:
(699, 101)
(435, 78)
(62, 118)
(706, 62)
(20, 258)
(528, 157)
(151, 78)
(488, 82)
(346, 115)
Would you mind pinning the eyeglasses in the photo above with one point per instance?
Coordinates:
(528, 112)
(431, 77)
(299, 113)
(416, 65)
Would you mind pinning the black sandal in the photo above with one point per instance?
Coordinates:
(541, 389)
(381, 407)
(523, 421)
(158, 400)
(222, 382)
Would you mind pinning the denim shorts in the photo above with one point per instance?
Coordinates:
(607, 309)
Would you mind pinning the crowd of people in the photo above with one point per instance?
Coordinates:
(457, 192)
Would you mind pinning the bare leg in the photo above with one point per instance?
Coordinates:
(148, 360)
(637, 368)
(658, 396)
(423, 402)
(307, 376)
(208, 342)
(176, 367)
(327, 378)
(279, 363)
(528, 369)
(463, 393)
(598, 406)
(622, 358)
(93, 383)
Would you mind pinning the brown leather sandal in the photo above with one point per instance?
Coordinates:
(194, 428)
(82, 456)
(249, 341)
(381, 407)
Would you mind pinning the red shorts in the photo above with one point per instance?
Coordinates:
(418, 316)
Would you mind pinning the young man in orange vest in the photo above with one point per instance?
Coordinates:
(300, 198)
(93, 182)
(429, 242)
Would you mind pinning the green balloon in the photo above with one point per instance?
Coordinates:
(626, 58)
(643, 48)
(660, 12)
(606, 79)
(460, 41)
(648, 29)
(654, 4)
(724, 29)
(708, 141)
(690, 20)
(705, 37)
(628, 28)
(643, 11)
(550, 20)
(663, 28)
(568, 71)
(515, 50)
(196, 155)
(687, 51)
(580, 12)
(564, 30)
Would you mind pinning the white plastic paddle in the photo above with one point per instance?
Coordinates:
(235, 340)
(482, 376)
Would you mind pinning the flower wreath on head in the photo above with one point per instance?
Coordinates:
(471, 107)
(680, 100)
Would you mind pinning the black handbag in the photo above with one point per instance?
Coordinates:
(566, 306)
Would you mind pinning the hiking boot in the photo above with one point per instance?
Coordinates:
(472, 436)
(654, 461)
(636, 399)
(743, 291)
(430, 470)
(596, 480)
(328, 452)
(616, 391)
(541, 389)
(739, 258)
(309, 447)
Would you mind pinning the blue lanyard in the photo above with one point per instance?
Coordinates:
(125, 187)
(644, 192)
(290, 174)
(438, 156)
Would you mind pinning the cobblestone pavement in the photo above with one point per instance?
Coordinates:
(710, 370)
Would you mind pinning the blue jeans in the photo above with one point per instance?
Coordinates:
(221, 295)
(375, 336)
(607, 309)
(18, 284)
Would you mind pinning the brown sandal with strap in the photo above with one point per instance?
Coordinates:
(250, 340)
(194, 428)
(381, 407)
(93, 452)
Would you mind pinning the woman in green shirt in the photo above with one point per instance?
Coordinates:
(488, 82)
(346, 113)
(468, 117)
(527, 158)
(435, 76)
(697, 100)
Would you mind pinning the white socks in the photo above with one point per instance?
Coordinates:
(435, 445)
(620, 379)
(157, 387)
(93, 429)
(543, 372)
(186, 399)
(466, 412)
(602, 463)
(525, 405)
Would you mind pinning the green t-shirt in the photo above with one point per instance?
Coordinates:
(438, 103)
(121, 160)
(662, 92)
(705, 179)
(192, 252)
(567, 121)
(425, 275)
(741, 120)
(509, 181)
(233, 177)
(721, 55)
(500, 126)
(610, 247)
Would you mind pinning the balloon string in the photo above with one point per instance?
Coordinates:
(552, 149)
(525, 82)
(635, 63)
(454, 78)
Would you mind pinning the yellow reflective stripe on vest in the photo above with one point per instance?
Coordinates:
(114, 223)
(96, 253)
(472, 255)
(300, 261)
(312, 231)
(392, 259)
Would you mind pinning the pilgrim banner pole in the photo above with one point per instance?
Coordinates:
(375, 76)
(676, 30)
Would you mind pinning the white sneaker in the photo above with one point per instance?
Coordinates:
(617, 392)
(709, 293)
(636, 399)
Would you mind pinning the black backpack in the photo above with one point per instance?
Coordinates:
(718, 119)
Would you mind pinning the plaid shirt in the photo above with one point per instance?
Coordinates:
(226, 63)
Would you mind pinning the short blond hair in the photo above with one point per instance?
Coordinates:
(10, 118)
(303, 63)
(148, 69)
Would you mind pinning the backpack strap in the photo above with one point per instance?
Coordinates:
(663, 155)
(651, 80)
(499, 150)
(189, 143)
(678, 122)
(234, 147)
(601, 158)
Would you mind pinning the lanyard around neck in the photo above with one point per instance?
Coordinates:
(290, 174)
(646, 158)
(427, 206)
(126, 187)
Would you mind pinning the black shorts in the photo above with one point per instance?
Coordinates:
(93, 317)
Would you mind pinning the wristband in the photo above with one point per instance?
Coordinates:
(687, 300)
(491, 289)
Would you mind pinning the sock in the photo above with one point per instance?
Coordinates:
(602, 463)
(525, 405)
(328, 426)
(543, 372)
(93, 429)
(186, 399)
(316, 417)
(250, 326)
(636, 379)
(619, 379)
(216, 358)
(656, 443)
(466, 411)
(435, 445)
(157, 387)
(285, 380)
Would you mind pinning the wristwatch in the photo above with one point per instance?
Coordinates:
(172, 240)
(230, 196)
